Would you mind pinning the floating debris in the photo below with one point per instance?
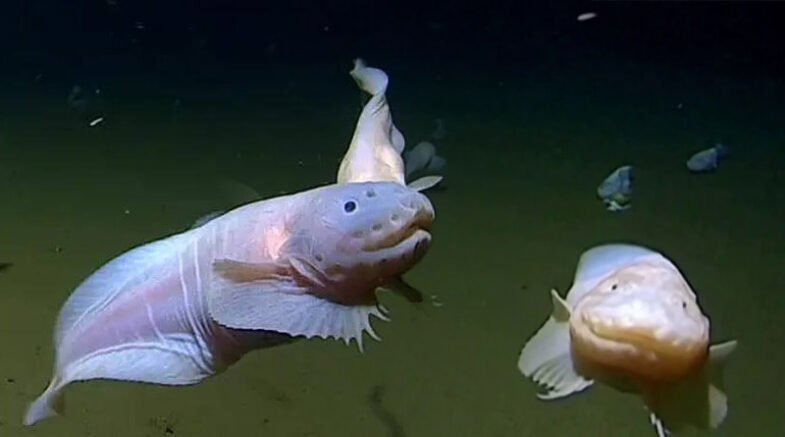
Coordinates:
(616, 190)
(96, 122)
(88, 104)
(707, 160)
(586, 16)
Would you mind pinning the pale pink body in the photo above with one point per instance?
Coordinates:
(152, 314)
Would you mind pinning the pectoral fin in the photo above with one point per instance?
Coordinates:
(264, 297)
(699, 401)
(425, 183)
(238, 271)
(546, 357)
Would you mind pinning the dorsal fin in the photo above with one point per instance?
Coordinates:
(561, 309)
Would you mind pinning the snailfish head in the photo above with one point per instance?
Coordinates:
(359, 236)
(643, 321)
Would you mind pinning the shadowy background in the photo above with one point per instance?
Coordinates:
(539, 107)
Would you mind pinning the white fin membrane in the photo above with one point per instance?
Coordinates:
(546, 358)
(258, 306)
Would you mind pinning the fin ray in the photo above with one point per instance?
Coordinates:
(289, 310)
(546, 358)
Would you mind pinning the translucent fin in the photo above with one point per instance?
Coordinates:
(718, 400)
(275, 306)
(425, 183)
(203, 220)
(546, 357)
(699, 401)
(238, 271)
(51, 403)
(238, 193)
(169, 362)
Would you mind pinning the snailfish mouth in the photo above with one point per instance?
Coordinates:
(645, 351)
(421, 222)
(413, 242)
(657, 341)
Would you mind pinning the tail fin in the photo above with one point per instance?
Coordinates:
(50, 403)
(701, 401)
(371, 80)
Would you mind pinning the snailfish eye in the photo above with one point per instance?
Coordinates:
(350, 206)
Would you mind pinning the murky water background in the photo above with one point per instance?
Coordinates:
(526, 148)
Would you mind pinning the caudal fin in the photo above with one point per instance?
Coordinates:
(50, 403)
(371, 80)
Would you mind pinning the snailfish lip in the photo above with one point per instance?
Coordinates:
(423, 243)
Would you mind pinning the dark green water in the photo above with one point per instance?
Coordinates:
(526, 149)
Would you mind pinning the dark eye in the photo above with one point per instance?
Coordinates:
(350, 206)
(614, 287)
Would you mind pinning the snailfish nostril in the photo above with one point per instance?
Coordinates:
(395, 217)
(376, 227)
(318, 258)
(370, 193)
